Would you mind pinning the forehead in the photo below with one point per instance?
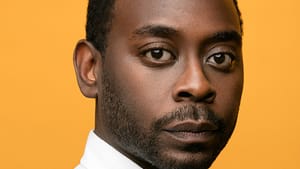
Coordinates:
(180, 14)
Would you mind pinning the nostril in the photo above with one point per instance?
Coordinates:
(210, 97)
(184, 94)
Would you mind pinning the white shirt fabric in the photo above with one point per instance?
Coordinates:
(100, 155)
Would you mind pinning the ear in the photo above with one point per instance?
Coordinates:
(87, 62)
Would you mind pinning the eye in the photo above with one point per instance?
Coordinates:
(222, 61)
(158, 56)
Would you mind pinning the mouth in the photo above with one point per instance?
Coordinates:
(192, 132)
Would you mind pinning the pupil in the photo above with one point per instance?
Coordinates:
(157, 53)
(219, 59)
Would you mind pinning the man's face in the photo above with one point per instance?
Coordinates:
(171, 81)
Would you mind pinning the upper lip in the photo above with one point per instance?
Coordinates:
(191, 126)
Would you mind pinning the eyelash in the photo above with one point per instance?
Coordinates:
(224, 66)
(147, 51)
(168, 56)
(156, 48)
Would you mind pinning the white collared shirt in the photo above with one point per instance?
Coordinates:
(100, 155)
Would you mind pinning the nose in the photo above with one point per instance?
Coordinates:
(193, 85)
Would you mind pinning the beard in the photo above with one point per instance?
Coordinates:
(144, 145)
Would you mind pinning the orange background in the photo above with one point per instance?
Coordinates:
(44, 119)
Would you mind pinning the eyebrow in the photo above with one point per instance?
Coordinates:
(156, 30)
(224, 36)
(167, 32)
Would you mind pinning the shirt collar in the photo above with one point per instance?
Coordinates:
(99, 154)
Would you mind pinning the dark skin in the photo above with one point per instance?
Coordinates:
(169, 84)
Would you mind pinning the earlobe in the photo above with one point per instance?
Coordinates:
(87, 65)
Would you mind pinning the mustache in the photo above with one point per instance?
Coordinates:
(189, 112)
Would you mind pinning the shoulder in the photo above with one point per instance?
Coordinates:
(80, 167)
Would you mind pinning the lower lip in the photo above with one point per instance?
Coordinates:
(193, 138)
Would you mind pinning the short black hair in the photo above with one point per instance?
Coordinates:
(99, 18)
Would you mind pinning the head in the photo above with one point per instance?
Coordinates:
(167, 77)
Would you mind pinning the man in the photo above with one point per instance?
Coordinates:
(167, 78)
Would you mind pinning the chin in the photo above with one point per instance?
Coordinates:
(184, 160)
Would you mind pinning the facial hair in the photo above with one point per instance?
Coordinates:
(145, 144)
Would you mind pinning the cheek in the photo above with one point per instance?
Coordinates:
(146, 93)
(229, 90)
